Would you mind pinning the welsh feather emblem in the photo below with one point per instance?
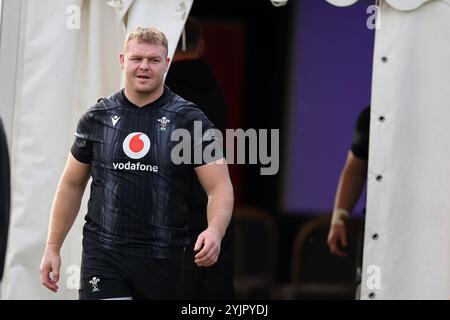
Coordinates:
(163, 123)
(94, 284)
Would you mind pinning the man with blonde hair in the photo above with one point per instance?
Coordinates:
(135, 233)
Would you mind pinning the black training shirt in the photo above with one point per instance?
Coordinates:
(139, 197)
(360, 143)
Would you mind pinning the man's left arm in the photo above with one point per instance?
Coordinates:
(215, 179)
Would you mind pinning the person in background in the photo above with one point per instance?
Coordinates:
(349, 190)
(191, 77)
(5, 190)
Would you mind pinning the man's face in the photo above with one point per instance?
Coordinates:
(144, 65)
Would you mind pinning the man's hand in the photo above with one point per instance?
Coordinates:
(64, 211)
(209, 243)
(216, 182)
(50, 267)
(337, 238)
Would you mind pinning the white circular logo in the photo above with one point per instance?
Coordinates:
(136, 145)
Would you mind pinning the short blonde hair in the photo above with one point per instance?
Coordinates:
(149, 35)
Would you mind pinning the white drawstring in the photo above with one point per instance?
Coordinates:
(183, 40)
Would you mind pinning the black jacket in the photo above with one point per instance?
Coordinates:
(194, 81)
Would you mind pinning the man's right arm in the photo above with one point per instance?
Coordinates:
(64, 210)
(350, 188)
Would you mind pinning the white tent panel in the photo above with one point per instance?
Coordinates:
(9, 35)
(169, 16)
(408, 206)
(44, 76)
(407, 243)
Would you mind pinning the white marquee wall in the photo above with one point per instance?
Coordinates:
(407, 246)
(409, 208)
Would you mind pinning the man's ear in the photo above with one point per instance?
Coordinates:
(122, 60)
(167, 63)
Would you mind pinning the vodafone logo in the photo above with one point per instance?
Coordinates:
(136, 145)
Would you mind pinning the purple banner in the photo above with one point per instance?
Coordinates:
(331, 84)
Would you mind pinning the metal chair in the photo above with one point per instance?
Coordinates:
(256, 253)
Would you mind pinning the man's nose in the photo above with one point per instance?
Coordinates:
(144, 65)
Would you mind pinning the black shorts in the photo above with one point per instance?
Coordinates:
(210, 283)
(107, 274)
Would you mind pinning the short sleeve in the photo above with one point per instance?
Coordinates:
(360, 143)
(82, 146)
(206, 140)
